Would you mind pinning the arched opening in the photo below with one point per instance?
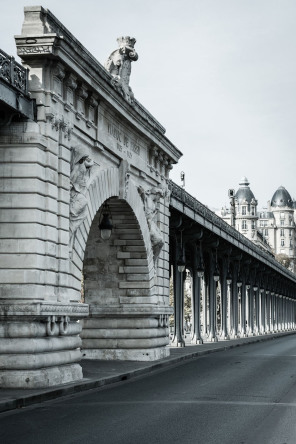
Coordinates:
(119, 287)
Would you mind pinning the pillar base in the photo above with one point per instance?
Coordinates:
(41, 378)
(152, 354)
(125, 336)
(40, 344)
(197, 341)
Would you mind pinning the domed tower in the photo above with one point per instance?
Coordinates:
(246, 210)
(282, 207)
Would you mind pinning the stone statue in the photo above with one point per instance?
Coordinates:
(119, 66)
(80, 180)
(150, 200)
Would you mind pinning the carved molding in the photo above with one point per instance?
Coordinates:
(60, 124)
(41, 49)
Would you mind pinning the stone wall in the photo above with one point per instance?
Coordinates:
(90, 145)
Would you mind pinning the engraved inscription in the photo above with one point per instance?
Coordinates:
(125, 144)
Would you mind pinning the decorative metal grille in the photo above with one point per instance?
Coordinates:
(13, 73)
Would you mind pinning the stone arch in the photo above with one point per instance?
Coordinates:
(126, 321)
(105, 186)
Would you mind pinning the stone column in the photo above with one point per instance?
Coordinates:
(229, 309)
(234, 305)
(178, 339)
(243, 310)
(280, 324)
(263, 311)
(212, 302)
(196, 290)
(205, 304)
(249, 289)
(268, 315)
(256, 305)
(272, 312)
(224, 302)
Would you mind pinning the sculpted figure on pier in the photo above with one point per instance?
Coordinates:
(119, 66)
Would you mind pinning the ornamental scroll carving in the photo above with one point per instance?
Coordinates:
(119, 66)
(150, 200)
(81, 177)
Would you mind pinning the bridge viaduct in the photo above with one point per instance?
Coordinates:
(92, 228)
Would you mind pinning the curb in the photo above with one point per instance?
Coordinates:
(84, 385)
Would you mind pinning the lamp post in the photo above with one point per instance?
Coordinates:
(231, 195)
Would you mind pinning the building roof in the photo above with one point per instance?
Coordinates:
(244, 194)
(281, 198)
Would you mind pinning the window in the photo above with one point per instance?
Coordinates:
(265, 223)
(261, 223)
(282, 222)
(282, 232)
(253, 225)
(244, 224)
(291, 243)
(244, 210)
(282, 242)
(282, 215)
(266, 232)
(253, 211)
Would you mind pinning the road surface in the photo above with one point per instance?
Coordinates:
(246, 395)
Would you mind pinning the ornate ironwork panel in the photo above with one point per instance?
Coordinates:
(13, 73)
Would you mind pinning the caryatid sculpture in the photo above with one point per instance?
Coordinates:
(80, 179)
(119, 66)
(150, 200)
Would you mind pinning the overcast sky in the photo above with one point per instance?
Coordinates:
(219, 75)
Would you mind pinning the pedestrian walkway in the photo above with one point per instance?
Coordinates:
(101, 373)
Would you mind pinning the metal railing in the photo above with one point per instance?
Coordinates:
(186, 199)
(13, 73)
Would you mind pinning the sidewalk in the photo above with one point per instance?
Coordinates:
(101, 373)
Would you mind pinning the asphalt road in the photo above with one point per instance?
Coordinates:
(245, 395)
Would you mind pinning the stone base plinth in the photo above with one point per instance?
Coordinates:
(40, 344)
(152, 354)
(40, 378)
(129, 337)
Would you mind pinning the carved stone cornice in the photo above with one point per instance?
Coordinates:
(45, 37)
(42, 310)
(59, 71)
(82, 92)
(71, 81)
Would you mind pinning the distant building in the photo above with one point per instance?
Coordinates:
(273, 229)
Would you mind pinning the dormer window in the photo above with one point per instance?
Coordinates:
(244, 210)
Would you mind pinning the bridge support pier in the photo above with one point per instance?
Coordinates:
(40, 344)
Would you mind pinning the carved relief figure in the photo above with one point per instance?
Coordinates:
(80, 179)
(150, 200)
(119, 66)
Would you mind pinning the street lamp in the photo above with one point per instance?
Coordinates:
(106, 225)
(200, 268)
(181, 262)
(216, 274)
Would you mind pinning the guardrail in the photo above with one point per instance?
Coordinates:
(191, 202)
(13, 73)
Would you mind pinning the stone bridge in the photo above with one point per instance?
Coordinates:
(92, 227)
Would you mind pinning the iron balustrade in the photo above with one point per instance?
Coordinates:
(191, 202)
(13, 73)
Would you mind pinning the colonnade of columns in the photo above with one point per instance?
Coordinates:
(230, 299)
